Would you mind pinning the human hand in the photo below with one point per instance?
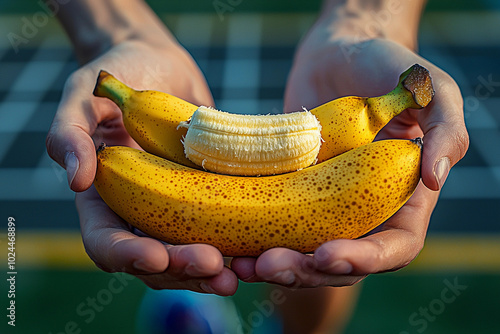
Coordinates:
(84, 121)
(331, 68)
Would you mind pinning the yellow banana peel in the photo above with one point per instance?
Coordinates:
(343, 197)
(152, 119)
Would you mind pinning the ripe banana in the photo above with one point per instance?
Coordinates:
(353, 121)
(251, 145)
(344, 197)
(152, 119)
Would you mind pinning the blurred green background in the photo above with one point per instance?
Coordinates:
(55, 278)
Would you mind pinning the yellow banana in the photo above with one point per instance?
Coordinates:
(152, 119)
(344, 197)
(353, 121)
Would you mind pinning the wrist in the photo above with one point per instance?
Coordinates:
(361, 20)
(95, 26)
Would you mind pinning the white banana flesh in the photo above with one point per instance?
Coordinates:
(253, 145)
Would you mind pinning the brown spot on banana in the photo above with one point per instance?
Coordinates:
(150, 117)
(153, 118)
(344, 197)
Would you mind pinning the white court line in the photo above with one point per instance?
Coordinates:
(241, 106)
(477, 116)
(36, 78)
(480, 117)
(242, 70)
(478, 28)
(34, 184)
(472, 183)
(195, 30)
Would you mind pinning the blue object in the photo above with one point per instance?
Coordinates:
(187, 312)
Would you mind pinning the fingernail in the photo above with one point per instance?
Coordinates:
(141, 265)
(72, 164)
(207, 288)
(340, 267)
(441, 170)
(322, 255)
(249, 279)
(309, 265)
(192, 270)
(286, 277)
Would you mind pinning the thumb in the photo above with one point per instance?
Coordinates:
(445, 138)
(72, 148)
(69, 140)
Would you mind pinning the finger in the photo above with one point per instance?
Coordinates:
(69, 140)
(197, 260)
(114, 248)
(405, 125)
(295, 270)
(223, 284)
(308, 98)
(445, 136)
(109, 242)
(395, 246)
(244, 268)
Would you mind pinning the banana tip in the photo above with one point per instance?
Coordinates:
(101, 148)
(419, 82)
(419, 142)
(101, 76)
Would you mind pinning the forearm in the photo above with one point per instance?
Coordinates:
(93, 26)
(397, 20)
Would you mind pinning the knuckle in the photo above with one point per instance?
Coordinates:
(78, 78)
(462, 141)
(49, 142)
(414, 247)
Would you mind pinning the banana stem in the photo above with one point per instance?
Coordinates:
(108, 86)
(414, 90)
(386, 107)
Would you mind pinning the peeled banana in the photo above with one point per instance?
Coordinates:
(344, 197)
(152, 119)
(251, 145)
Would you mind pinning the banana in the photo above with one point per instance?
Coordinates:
(344, 197)
(251, 145)
(152, 119)
(353, 121)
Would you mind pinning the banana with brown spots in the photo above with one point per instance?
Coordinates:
(343, 197)
(258, 144)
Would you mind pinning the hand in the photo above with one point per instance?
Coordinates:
(324, 70)
(83, 121)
